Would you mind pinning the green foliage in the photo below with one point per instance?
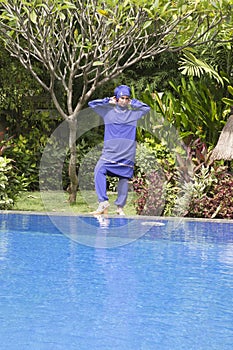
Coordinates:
(218, 53)
(163, 191)
(153, 155)
(192, 66)
(171, 176)
(18, 88)
(55, 162)
(155, 72)
(171, 26)
(187, 110)
(216, 201)
(226, 100)
(88, 156)
(25, 120)
(84, 44)
(153, 170)
(6, 201)
(194, 109)
(26, 157)
(26, 148)
(190, 191)
(50, 171)
(10, 183)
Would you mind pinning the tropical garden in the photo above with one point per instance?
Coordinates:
(176, 56)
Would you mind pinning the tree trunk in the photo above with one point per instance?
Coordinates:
(73, 159)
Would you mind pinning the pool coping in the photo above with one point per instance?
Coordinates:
(134, 217)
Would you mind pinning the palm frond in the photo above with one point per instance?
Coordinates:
(192, 66)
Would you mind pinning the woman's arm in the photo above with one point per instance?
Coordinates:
(141, 107)
(101, 106)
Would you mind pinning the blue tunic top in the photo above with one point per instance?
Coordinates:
(120, 129)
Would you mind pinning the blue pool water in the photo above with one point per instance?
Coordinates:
(170, 289)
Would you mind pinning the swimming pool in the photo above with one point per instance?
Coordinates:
(170, 289)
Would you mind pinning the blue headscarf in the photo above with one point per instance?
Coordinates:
(122, 90)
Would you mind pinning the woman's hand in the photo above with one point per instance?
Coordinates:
(113, 100)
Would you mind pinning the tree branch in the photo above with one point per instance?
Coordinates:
(90, 43)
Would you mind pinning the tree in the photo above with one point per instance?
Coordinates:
(87, 43)
(17, 94)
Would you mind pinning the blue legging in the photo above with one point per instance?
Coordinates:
(101, 185)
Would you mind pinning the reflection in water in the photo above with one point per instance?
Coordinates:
(100, 231)
(119, 294)
(103, 221)
(3, 242)
(226, 255)
(4, 246)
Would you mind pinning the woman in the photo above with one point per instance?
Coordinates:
(120, 115)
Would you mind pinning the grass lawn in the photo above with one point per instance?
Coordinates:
(58, 202)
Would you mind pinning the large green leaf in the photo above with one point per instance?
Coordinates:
(228, 101)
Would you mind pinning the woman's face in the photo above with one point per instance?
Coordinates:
(123, 101)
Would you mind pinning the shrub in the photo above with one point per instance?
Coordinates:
(193, 189)
(153, 173)
(217, 202)
(188, 188)
(10, 183)
(25, 152)
(28, 133)
(150, 193)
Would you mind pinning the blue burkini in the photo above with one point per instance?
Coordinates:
(119, 149)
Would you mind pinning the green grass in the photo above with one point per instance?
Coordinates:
(58, 202)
